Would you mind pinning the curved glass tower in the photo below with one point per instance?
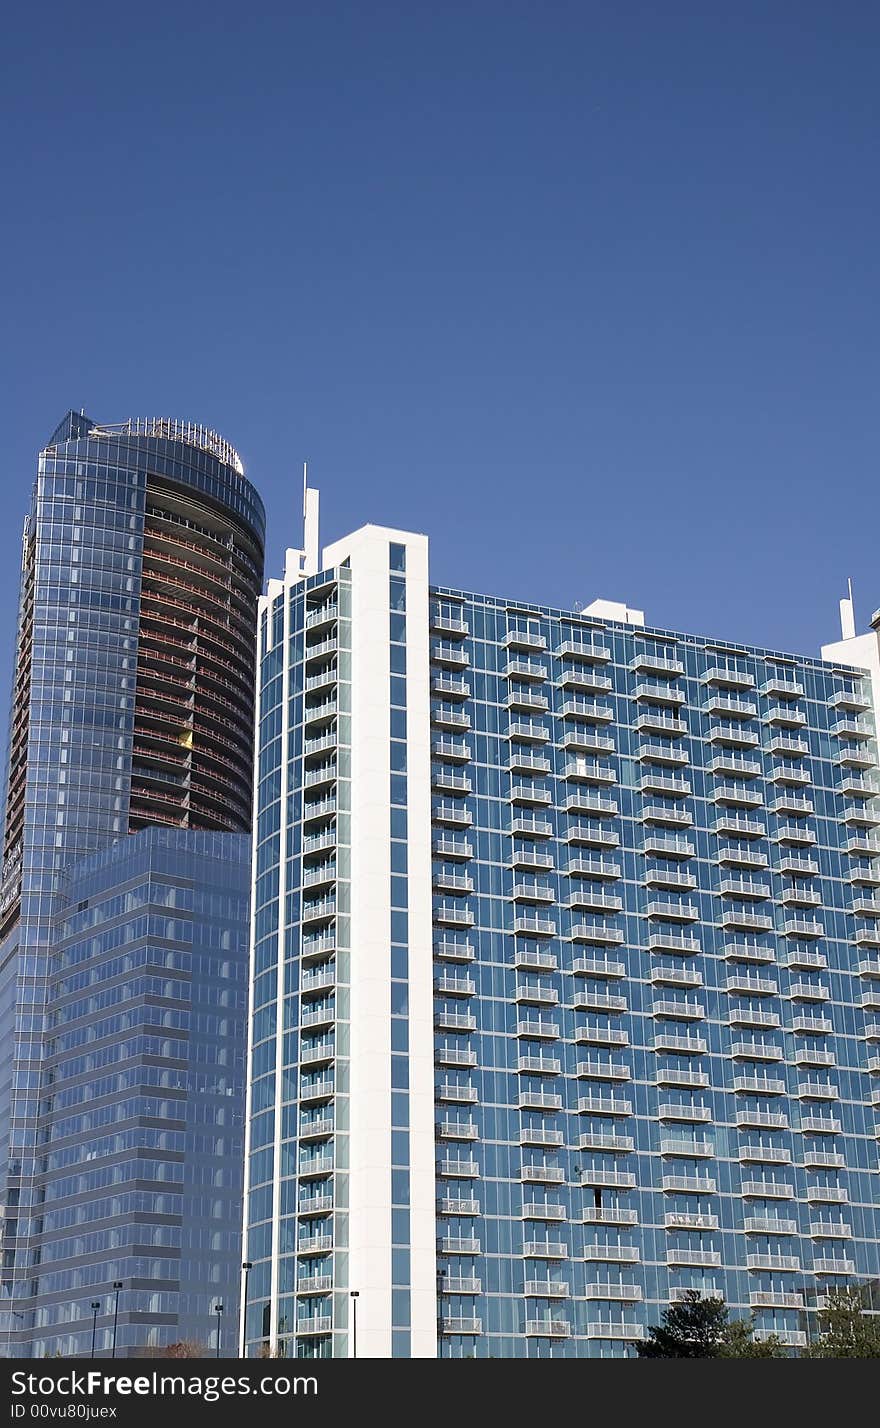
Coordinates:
(124, 889)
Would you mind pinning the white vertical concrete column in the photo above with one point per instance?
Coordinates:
(370, 978)
(423, 1232)
(370, 1232)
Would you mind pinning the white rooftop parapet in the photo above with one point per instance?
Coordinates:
(614, 610)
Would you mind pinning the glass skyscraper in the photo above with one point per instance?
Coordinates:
(565, 970)
(124, 891)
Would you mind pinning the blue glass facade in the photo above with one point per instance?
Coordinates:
(655, 941)
(652, 885)
(141, 560)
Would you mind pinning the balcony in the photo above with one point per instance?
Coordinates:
(450, 687)
(652, 721)
(528, 763)
(534, 927)
(603, 1106)
(458, 1130)
(536, 993)
(686, 1149)
(756, 1051)
(531, 669)
(679, 1009)
(766, 1120)
(591, 803)
(538, 1135)
(542, 1175)
(738, 919)
(452, 882)
(603, 1070)
(460, 1284)
(456, 1168)
(682, 1045)
(530, 794)
(764, 1155)
(545, 1249)
(753, 986)
(665, 784)
(457, 751)
(672, 1111)
(587, 897)
(673, 1077)
(532, 1100)
(673, 911)
(530, 890)
(608, 1179)
(527, 827)
(667, 878)
(444, 623)
(769, 1225)
(596, 1215)
(530, 731)
(538, 1029)
(735, 764)
(315, 1284)
(617, 1330)
(830, 1230)
(454, 1021)
(587, 710)
(612, 1254)
(454, 1094)
(543, 1211)
(593, 868)
(733, 826)
(744, 888)
(529, 959)
(698, 1258)
(545, 1289)
(787, 1263)
(453, 814)
(817, 1091)
(445, 717)
(583, 680)
(524, 639)
(547, 1328)
(461, 1326)
(454, 1056)
(675, 977)
(597, 967)
(675, 942)
(808, 992)
(668, 753)
(590, 652)
(767, 1190)
(317, 1324)
(588, 741)
(539, 1065)
(666, 694)
(448, 915)
(588, 1000)
(454, 848)
(451, 950)
(759, 1085)
(616, 1144)
(666, 816)
(450, 986)
(687, 1185)
(832, 1264)
(600, 934)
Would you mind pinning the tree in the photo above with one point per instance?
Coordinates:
(739, 1342)
(182, 1349)
(692, 1328)
(698, 1328)
(847, 1332)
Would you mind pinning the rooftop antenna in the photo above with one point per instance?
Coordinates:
(310, 525)
(848, 614)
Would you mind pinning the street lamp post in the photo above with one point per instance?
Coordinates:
(247, 1266)
(117, 1285)
(218, 1310)
(96, 1304)
(355, 1295)
(441, 1278)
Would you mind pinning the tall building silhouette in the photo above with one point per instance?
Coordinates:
(566, 956)
(124, 891)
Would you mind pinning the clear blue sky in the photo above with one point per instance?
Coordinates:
(586, 291)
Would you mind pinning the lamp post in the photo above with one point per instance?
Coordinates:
(117, 1285)
(355, 1294)
(218, 1310)
(247, 1266)
(96, 1304)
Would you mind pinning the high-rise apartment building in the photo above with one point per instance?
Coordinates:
(565, 970)
(124, 893)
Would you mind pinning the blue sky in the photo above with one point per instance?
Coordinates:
(588, 292)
